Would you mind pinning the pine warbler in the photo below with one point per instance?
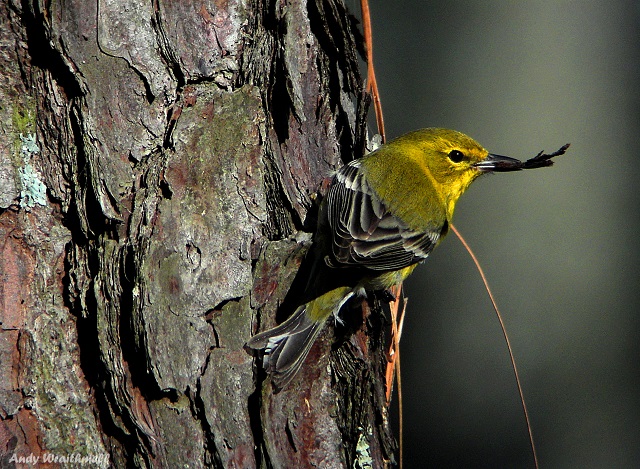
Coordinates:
(384, 213)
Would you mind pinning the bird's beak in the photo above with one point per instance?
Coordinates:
(498, 163)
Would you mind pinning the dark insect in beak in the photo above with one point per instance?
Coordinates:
(498, 163)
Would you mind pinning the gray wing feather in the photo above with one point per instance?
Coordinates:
(364, 232)
(286, 346)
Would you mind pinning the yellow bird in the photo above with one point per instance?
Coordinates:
(384, 213)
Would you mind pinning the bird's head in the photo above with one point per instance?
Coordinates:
(451, 159)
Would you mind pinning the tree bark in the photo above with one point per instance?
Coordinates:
(183, 147)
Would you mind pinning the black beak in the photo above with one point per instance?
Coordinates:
(498, 163)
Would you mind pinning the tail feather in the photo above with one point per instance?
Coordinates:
(287, 345)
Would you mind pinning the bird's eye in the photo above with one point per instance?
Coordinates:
(456, 156)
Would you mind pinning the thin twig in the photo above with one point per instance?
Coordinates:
(372, 84)
(396, 320)
(506, 337)
(400, 323)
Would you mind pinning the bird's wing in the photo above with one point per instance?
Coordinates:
(365, 233)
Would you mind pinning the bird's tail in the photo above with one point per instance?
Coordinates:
(287, 345)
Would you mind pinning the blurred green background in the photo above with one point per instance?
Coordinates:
(559, 245)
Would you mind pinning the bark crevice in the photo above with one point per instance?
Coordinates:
(185, 150)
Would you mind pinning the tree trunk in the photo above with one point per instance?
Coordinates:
(159, 165)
